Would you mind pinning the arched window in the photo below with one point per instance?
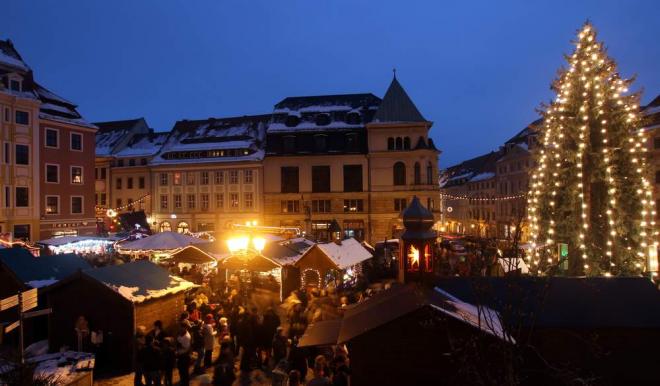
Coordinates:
(429, 173)
(292, 121)
(390, 143)
(182, 227)
(418, 174)
(323, 119)
(165, 226)
(406, 143)
(399, 143)
(353, 118)
(399, 173)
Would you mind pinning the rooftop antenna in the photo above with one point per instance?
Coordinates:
(394, 72)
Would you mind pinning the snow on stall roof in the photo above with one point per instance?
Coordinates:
(57, 241)
(483, 318)
(482, 176)
(346, 254)
(139, 281)
(41, 283)
(29, 268)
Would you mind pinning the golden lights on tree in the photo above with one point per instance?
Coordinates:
(589, 188)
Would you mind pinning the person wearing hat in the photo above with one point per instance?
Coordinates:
(209, 340)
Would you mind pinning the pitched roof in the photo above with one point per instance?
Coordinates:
(56, 108)
(9, 56)
(397, 106)
(346, 254)
(192, 255)
(109, 126)
(320, 103)
(469, 169)
(29, 268)
(600, 302)
(139, 281)
(143, 145)
(521, 136)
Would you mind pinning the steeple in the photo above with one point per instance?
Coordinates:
(397, 105)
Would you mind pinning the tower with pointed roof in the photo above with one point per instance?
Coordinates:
(402, 159)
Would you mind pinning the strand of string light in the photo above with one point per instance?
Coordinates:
(126, 206)
(499, 198)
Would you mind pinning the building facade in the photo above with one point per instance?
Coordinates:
(347, 163)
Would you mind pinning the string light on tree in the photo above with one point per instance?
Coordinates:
(589, 189)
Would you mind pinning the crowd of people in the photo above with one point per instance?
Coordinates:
(226, 335)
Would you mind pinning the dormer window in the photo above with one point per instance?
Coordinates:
(352, 142)
(353, 118)
(323, 119)
(292, 120)
(320, 142)
(289, 144)
(15, 85)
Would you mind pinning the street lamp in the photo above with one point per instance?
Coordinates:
(240, 245)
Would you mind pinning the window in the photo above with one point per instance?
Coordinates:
(289, 144)
(290, 206)
(52, 173)
(129, 183)
(429, 174)
(182, 227)
(219, 178)
(22, 117)
(248, 201)
(406, 143)
(15, 85)
(6, 114)
(129, 202)
(352, 178)
(118, 183)
(320, 142)
(177, 201)
(352, 144)
(103, 200)
(77, 175)
(400, 204)
(52, 138)
(77, 143)
(191, 201)
(399, 173)
(418, 173)
(118, 202)
(233, 200)
(323, 119)
(131, 162)
(190, 178)
(22, 197)
(163, 179)
(204, 201)
(7, 197)
(354, 228)
(320, 179)
(52, 204)
(22, 155)
(120, 163)
(22, 232)
(399, 143)
(103, 173)
(177, 178)
(289, 176)
(247, 176)
(165, 226)
(141, 182)
(205, 227)
(163, 202)
(429, 203)
(321, 206)
(353, 206)
(143, 161)
(233, 176)
(76, 204)
(390, 143)
(219, 201)
(204, 178)
(7, 154)
(657, 177)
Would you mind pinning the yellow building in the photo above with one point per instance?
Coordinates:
(347, 163)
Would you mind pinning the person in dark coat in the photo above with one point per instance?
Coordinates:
(169, 360)
(223, 373)
(298, 359)
(140, 341)
(280, 343)
(268, 327)
(183, 350)
(247, 331)
(151, 362)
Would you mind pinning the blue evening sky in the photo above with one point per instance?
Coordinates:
(478, 69)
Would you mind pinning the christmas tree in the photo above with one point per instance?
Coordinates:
(589, 188)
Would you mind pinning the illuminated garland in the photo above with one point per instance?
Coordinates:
(120, 208)
(500, 198)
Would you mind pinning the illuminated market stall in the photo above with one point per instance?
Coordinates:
(158, 246)
(79, 245)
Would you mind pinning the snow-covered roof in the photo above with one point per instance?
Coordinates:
(10, 57)
(347, 254)
(481, 317)
(482, 176)
(57, 241)
(288, 251)
(312, 126)
(40, 271)
(64, 368)
(106, 141)
(143, 145)
(140, 280)
(162, 241)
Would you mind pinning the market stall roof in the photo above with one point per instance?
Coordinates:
(287, 252)
(344, 254)
(192, 255)
(257, 263)
(57, 241)
(139, 281)
(323, 333)
(163, 241)
(40, 271)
